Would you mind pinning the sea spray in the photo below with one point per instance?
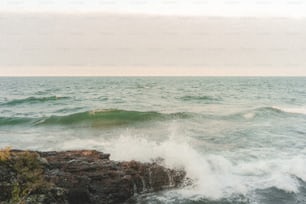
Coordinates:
(206, 181)
(213, 176)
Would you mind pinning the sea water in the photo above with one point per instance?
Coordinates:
(240, 139)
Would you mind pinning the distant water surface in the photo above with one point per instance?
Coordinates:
(241, 140)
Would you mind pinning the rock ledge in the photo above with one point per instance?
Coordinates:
(84, 176)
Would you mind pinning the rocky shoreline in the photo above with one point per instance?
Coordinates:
(78, 177)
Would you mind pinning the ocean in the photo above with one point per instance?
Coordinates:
(240, 139)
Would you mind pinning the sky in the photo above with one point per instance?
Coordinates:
(291, 8)
(160, 37)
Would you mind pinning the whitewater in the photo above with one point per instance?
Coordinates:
(239, 139)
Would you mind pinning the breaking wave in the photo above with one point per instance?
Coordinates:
(99, 118)
(213, 176)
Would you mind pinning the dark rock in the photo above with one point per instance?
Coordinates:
(78, 196)
(89, 176)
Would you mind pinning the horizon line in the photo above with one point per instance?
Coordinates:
(34, 76)
(96, 12)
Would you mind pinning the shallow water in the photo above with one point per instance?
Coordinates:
(241, 140)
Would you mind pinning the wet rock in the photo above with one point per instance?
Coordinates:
(89, 176)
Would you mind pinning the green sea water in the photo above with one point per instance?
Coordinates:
(240, 139)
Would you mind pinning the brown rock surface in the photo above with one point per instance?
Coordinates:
(89, 176)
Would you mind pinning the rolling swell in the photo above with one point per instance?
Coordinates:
(109, 117)
(31, 100)
(203, 99)
(114, 117)
(96, 118)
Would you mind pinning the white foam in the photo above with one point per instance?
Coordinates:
(214, 176)
(176, 155)
(298, 110)
(278, 173)
(250, 115)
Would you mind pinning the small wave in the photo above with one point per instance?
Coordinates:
(297, 110)
(5, 121)
(262, 112)
(279, 110)
(206, 99)
(96, 118)
(32, 100)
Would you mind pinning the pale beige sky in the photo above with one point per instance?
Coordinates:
(229, 8)
(122, 44)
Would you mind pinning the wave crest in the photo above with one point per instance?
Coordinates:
(4, 121)
(296, 110)
(96, 118)
(31, 100)
(262, 112)
(204, 99)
